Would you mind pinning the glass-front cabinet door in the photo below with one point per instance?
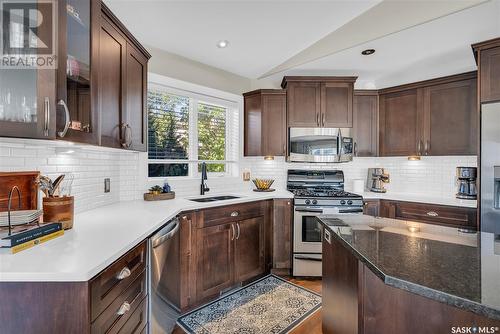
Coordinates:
(27, 82)
(76, 118)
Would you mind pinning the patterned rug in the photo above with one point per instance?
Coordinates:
(269, 305)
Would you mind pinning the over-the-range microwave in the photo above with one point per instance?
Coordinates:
(320, 145)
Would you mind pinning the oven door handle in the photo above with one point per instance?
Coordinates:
(309, 210)
(351, 210)
(308, 258)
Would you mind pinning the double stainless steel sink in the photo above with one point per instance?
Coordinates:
(213, 198)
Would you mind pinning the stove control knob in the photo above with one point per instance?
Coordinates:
(349, 202)
(315, 201)
(308, 202)
(342, 202)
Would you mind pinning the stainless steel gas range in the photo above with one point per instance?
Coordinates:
(316, 192)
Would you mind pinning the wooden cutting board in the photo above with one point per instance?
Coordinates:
(26, 182)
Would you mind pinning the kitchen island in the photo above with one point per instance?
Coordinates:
(383, 275)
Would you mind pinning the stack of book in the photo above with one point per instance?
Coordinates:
(27, 238)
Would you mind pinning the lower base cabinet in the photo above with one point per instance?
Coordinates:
(282, 236)
(451, 216)
(115, 301)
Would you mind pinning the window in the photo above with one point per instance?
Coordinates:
(185, 129)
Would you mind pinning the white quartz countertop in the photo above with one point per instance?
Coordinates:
(421, 198)
(101, 236)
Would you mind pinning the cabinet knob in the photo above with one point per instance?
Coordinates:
(235, 214)
(124, 273)
(432, 214)
(124, 308)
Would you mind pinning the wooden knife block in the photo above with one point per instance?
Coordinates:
(59, 210)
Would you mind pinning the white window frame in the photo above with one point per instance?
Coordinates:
(197, 93)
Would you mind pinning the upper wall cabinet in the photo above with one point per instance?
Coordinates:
(97, 93)
(365, 123)
(319, 101)
(435, 117)
(265, 123)
(488, 59)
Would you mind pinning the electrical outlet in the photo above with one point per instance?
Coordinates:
(107, 185)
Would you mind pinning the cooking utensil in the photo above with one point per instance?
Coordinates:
(56, 184)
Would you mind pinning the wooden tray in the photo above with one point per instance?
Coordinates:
(159, 197)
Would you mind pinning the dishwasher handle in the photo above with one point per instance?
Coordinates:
(165, 233)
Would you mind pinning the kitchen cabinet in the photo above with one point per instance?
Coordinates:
(265, 123)
(28, 98)
(434, 117)
(249, 248)
(114, 301)
(365, 123)
(282, 236)
(215, 259)
(230, 248)
(452, 216)
(400, 123)
(319, 101)
(487, 55)
(97, 93)
(371, 207)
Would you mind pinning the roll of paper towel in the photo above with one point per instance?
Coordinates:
(358, 186)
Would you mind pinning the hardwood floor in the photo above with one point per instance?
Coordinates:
(311, 325)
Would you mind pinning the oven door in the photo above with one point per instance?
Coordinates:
(307, 230)
(320, 145)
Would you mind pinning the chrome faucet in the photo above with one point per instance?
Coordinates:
(203, 186)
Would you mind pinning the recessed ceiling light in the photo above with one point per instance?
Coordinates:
(368, 52)
(222, 44)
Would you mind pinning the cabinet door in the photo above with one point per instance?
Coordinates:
(336, 105)
(27, 96)
(112, 52)
(215, 259)
(250, 248)
(490, 75)
(76, 86)
(136, 93)
(371, 208)
(282, 235)
(253, 125)
(365, 125)
(450, 119)
(304, 104)
(274, 125)
(401, 123)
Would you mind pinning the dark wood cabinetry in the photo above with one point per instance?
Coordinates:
(114, 301)
(319, 101)
(97, 93)
(371, 207)
(249, 249)
(365, 123)
(282, 236)
(434, 117)
(265, 123)
(488, 59)
(400, 123)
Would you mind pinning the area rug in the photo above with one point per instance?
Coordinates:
(270, 305)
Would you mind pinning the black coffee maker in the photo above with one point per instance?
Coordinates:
(466, 182)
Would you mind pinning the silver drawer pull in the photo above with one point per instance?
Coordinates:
(432, 214)
(234, 214)
(124, 273)
(124, 308)
(328, 236)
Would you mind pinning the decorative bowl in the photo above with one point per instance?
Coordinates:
(263, 184)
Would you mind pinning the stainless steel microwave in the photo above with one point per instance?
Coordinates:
(320, 145)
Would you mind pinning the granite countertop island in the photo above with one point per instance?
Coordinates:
(440, 263)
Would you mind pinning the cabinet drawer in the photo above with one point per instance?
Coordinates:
(110, 321)
(230, 213)
(111, 282)
(436, 214)
(137, 321)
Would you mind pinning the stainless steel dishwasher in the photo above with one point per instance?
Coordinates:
(164, 277)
